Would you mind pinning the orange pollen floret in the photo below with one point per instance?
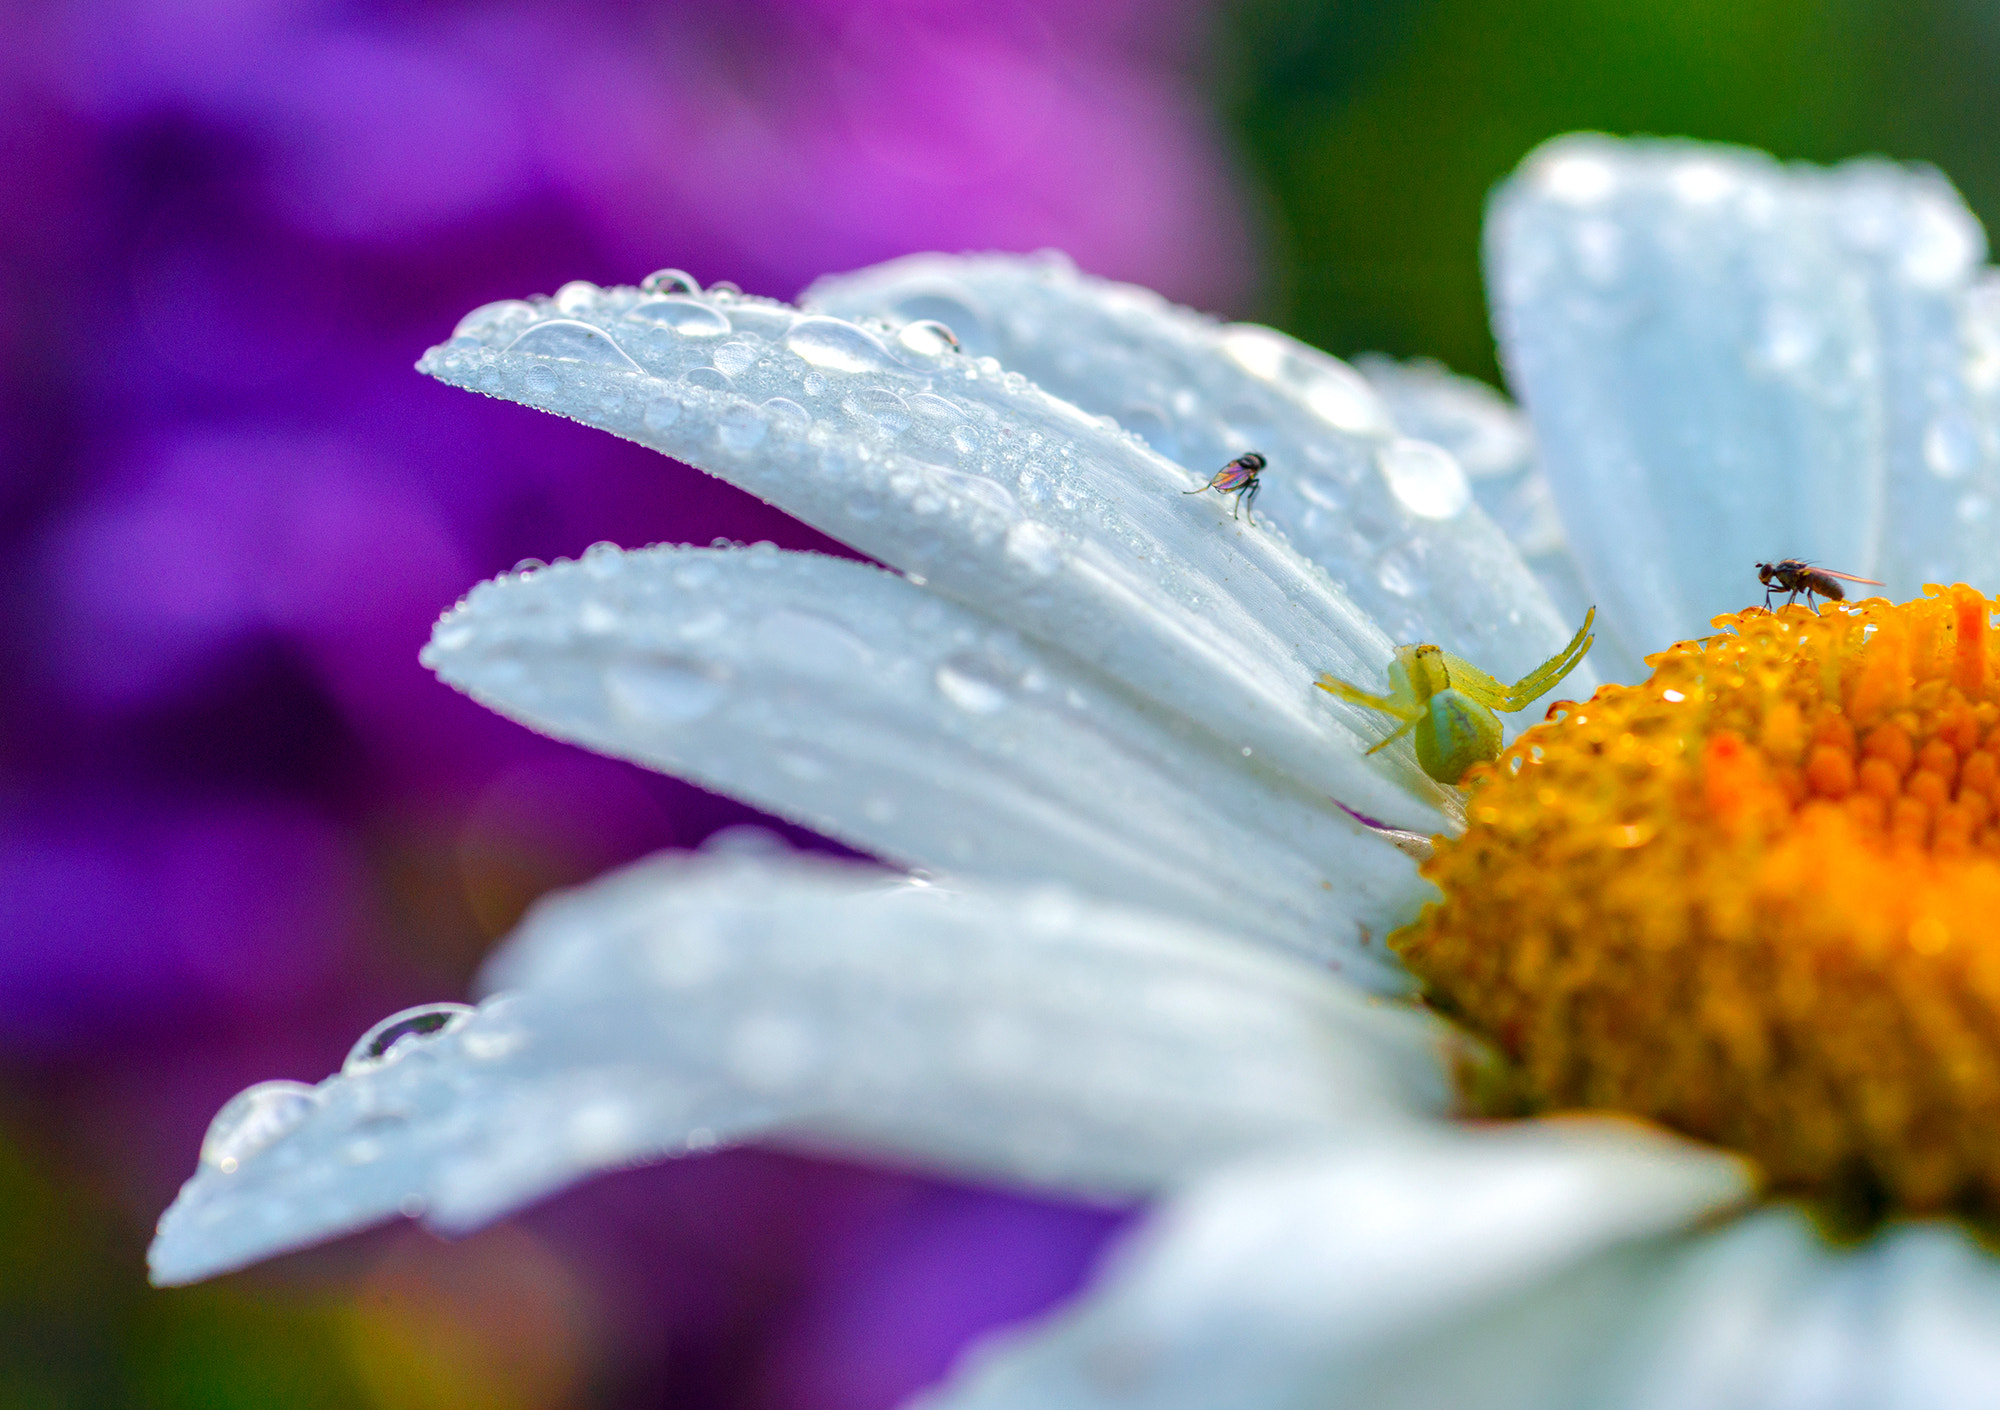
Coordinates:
(1757, 899)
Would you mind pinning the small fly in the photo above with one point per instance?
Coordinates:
(1238, 477)
(1796, 576)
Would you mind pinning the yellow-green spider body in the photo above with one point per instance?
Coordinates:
(1446, 705)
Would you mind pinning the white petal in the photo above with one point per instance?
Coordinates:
(996, 493)
(1279, 1283)
(679, 1002)
(880, 713)
(1729, 361)
(1760, 1315)
(1493, 441)
(1393, 524)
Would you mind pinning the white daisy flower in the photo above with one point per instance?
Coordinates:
(1138, 942)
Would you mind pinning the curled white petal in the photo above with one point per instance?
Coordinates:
(1391, 520)
(996, 493)
(1025, 1035)
(874, 710)
(1280, 1282)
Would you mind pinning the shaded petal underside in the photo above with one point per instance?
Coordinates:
(1286, 1281)
(1019, 1035)
(860, 704)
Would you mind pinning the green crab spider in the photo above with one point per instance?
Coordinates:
(1448, 704)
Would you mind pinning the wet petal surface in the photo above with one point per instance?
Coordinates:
(1729, 361)
(899, 721)
(1392, 521)
(999, 495)
(678, 1003)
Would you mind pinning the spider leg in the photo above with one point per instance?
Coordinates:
(1387, 704)
(1397, 733)
(1544, 677)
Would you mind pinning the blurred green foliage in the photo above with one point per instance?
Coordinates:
(80, 1330)
(1376, 128)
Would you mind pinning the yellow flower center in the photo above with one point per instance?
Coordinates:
(1757, 899)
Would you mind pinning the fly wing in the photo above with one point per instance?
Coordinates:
(1850, 577)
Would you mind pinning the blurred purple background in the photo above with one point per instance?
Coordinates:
(238, 822)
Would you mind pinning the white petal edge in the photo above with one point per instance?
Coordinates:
(994, 492)
(857, 703)
(1730, 361)
(1274, 1284)
(1392, 522)
(1020, 1035)
(1760, 1314)
(1491, 438)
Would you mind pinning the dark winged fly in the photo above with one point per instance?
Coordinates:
(1796, 576)
(1238, 477)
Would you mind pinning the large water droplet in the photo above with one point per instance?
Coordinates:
(662, 692)
(1424, 478)
(707, 377)
(1334, 391)
(838, 346)
(684, 316)
(399, 1032)
(669, 281)
(661, 412)
(1035, 547)
(742, 427)
(733, 359)
(1951, 445)
(811, 643)
(928, 337)
(975, 684)
(493, 317)
(572, 341)
(253, 1119)
(543, 380)
(577, 296)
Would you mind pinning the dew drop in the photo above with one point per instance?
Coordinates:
(1951, 445)
(973, 683)
(684, 316)
(837, 345)
(661, 412)
(1035, 547)
(1394, 573)
(453, 637)
(577, 296)
(724, 289)
(1424, 478)
(662, 692)
(571, 341)
(734, 359)
(928, 337)
(742, 427)
(494, 317)
(669, 281)
(786, 416)
(399, 1032)
(253, 1119)
(1335, 391)
(543, 380)
(808, 642)
(707, 378)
